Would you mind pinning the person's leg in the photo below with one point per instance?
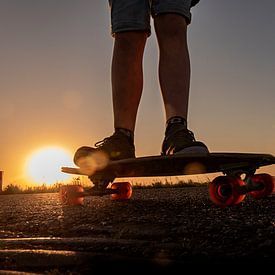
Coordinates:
(127, 77)
(130, 22)
(170, 20)
(130, 26)
(127, 84)
(174, 63)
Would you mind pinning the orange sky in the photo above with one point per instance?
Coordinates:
(55, 79)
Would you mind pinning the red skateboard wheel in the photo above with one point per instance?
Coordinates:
(268, 185)
(71, 195)
(124, 191)
(225, 190)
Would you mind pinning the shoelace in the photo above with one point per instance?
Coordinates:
(178, 137)
(100, 143)
(184, 134)
(191, 135)
(105, 141)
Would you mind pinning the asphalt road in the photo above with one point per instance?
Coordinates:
(158, 229)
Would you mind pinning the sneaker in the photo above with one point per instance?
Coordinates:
(179, 140)
(91, 159)
(116, 147)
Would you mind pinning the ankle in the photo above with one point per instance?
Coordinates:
(175, 123)
(128, 133)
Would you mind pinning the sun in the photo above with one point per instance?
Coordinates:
(43, 165)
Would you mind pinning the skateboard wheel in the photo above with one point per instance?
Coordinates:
(224, 190)
(71, 195)
(268, 185)
(124, 191)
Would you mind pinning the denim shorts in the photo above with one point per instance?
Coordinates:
(134, 15)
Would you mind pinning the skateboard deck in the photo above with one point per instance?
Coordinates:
(232, 165)
(176, 165)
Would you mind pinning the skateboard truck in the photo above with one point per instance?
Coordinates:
(74, 194)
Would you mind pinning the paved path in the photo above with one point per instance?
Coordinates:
(157, 228)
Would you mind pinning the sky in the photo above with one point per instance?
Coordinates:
(55, 86)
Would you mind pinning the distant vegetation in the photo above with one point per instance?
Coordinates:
(15, 189)
(44, 188)
(167, 183)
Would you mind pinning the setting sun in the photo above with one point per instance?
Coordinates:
(43, 165)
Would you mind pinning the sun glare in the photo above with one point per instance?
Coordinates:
(43, 165)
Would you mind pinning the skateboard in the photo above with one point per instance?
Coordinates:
(239, 176)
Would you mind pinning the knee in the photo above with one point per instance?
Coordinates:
(131, 38)
(170, 26)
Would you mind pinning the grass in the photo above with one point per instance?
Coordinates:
(15, 189)
(156, 183)
(168, 184)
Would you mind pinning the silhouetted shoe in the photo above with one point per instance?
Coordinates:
(180, 140)
(91, 159)
(116, 147)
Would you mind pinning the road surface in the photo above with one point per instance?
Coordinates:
(159, 228)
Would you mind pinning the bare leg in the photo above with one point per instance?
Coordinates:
(174, 63)
(127, 84)
(127, 77)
